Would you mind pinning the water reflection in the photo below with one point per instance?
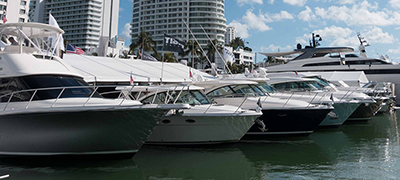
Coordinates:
(218, 162)
(358, 150)
(69, 169)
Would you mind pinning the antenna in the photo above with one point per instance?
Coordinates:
(217, 50)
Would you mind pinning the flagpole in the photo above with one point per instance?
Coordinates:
(162, 60)
(225, 65)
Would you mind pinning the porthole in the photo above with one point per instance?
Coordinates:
(190, 121)
(166, 121)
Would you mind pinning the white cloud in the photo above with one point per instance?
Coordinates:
(394, 51)
(256, 22)
(395, 3)
(306, 15)
(295, 2)
(345, 1)
(334, 32)
(360, 14)
(121, 9)
(271, 1)
(125, 33)
(274, 48)
(242, 2)
(331, 36)
(241, 29)
(376, 35)
(282, 15)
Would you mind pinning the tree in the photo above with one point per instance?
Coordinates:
(143, 41)
(194, 49)
(211, 50)
(169, 57)
(237, 43)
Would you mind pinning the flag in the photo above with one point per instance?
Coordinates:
(146, 56)
(74, 50)
(259, 103)
(190, 73)
(131, 80)
(4, 17)
(331, 97)
(228, 55)
(53, 22)
(79, 50)
(172, 44)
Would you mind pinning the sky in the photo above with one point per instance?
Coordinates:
(279, 25)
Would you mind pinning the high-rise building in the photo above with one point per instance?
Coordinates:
(88, 24)
(14, 10)
(230, 35)
(169, 16)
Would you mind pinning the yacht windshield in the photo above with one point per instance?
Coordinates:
(23, 88)
(194, 97)
(236, 90)
(298, 86)
(266, 88)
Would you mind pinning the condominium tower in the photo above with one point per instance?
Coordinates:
(14, 10)
(173, 16)
(230, 35)
(88, 24)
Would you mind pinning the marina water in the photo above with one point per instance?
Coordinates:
(356, 150)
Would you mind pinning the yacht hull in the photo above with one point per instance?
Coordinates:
(365, 111)
(197, 130)
(340, 114)
(287, 122)
(94, 132)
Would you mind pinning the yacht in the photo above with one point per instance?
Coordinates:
(280, 116)
(204, 123)
(366, 108)
(47, 109)
(342, 109)
(326, 59)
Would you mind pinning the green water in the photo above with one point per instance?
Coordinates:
(360, 150)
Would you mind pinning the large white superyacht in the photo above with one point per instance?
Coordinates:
(326, 59)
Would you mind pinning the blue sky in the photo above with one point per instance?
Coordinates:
(278, 25)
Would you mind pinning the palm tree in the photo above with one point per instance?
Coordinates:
(169, 57)
(211, 50)
(237, 43)
(194, 49)
(144, 42)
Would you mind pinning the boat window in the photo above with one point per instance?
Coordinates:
(160, 99)
(246, 90)
(323, 64)
(266, 88)
(28, 84)
(223, 91)
(36, 82)
(10, 85)
(297, 86)
(185, 97)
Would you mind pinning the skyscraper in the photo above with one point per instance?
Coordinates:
(88, 24)
(230, 35)
(14, 10)
(169, 16)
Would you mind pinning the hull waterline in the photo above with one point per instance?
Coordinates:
(287, 122)
(96, 132)
(198, 130)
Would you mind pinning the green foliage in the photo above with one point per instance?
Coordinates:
(143, 41)
(169, 57)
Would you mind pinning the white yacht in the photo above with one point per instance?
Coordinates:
(47, 109)
(204, 123)
(280, 116)
(338, 59)
(366, 106)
